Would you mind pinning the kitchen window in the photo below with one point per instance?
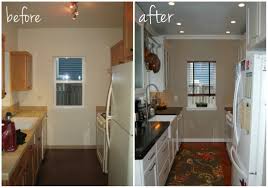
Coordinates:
(201, 85)
(69, 81)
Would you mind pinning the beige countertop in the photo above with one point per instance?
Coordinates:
(11, 159)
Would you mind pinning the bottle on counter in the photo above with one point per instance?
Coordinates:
(9, 141)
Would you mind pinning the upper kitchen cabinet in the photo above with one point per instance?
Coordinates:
(256, 25)
(128, 31)
(21, 70)
(3, 66)
(117, 53)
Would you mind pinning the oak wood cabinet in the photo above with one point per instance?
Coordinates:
(122, 52)
(117, 53)
(21, 70)
(128, 31)
(23, 173)
(3, 66)
(26, 171)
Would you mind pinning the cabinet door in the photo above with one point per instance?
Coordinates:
(29, 72)
(38, 149)
(3, 66)
(117, 53)
(128, 30)
(180, 130)
(44, 137)
(262, 20)
(150, 176)
(252, 24)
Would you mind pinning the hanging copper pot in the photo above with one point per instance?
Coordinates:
(153, 62)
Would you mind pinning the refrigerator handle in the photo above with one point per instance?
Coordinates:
(235, 106)
(232, 150)
(108, 116)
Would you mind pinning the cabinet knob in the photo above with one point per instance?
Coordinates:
(131, 49)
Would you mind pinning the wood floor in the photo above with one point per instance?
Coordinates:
(71, 167)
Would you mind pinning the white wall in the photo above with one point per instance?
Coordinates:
(69, 126)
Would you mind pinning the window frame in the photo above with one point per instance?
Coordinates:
(55, 60)
(209, 107)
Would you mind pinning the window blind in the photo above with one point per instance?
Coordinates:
(201, 79)
(71, 67)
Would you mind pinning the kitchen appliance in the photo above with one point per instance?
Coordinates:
(249, 121)
(101, 143)
(120, 121)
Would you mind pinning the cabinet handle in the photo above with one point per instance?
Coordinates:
(151, 156)
(152, 167)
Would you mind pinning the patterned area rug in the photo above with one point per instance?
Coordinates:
(201, 164)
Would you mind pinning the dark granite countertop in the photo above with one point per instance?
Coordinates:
(169, 111)
(146, 137)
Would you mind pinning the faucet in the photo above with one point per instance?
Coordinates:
(147, 87)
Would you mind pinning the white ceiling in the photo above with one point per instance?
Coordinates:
(199, 18)
(58, 14)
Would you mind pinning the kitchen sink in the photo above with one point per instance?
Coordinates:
(24, 123)
(169, 118)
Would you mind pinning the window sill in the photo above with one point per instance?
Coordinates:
(212, 108)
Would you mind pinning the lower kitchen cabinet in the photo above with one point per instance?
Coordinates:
(153, 169)
(150, 175)
(26, 171)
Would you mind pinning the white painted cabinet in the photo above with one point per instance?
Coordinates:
(141, 74)
(150, 175)
(179, 130)
(256, 25)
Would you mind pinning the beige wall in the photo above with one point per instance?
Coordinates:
(202, 124)
(73, 126)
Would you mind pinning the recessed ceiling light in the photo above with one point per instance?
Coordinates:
(178, 23)
(241, 4)
(171, 3)
(233, 22)
(227, 32)
(181, 31)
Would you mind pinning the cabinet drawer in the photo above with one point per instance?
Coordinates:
(150, 156)
(162, 139)
(163, 174)
(162, 155)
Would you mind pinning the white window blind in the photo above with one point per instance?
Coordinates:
(201, 83)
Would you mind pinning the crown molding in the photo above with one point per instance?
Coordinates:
(204, 37)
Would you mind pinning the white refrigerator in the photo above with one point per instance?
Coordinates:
(249, 121)
(119, 125)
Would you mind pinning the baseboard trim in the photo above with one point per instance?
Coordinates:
(71, 147)
(203, 140)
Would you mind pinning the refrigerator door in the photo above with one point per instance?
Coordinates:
(248, 151)
(122, 96)
(120, 156)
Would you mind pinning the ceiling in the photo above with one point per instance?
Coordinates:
(58, 14)
(199, 18)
